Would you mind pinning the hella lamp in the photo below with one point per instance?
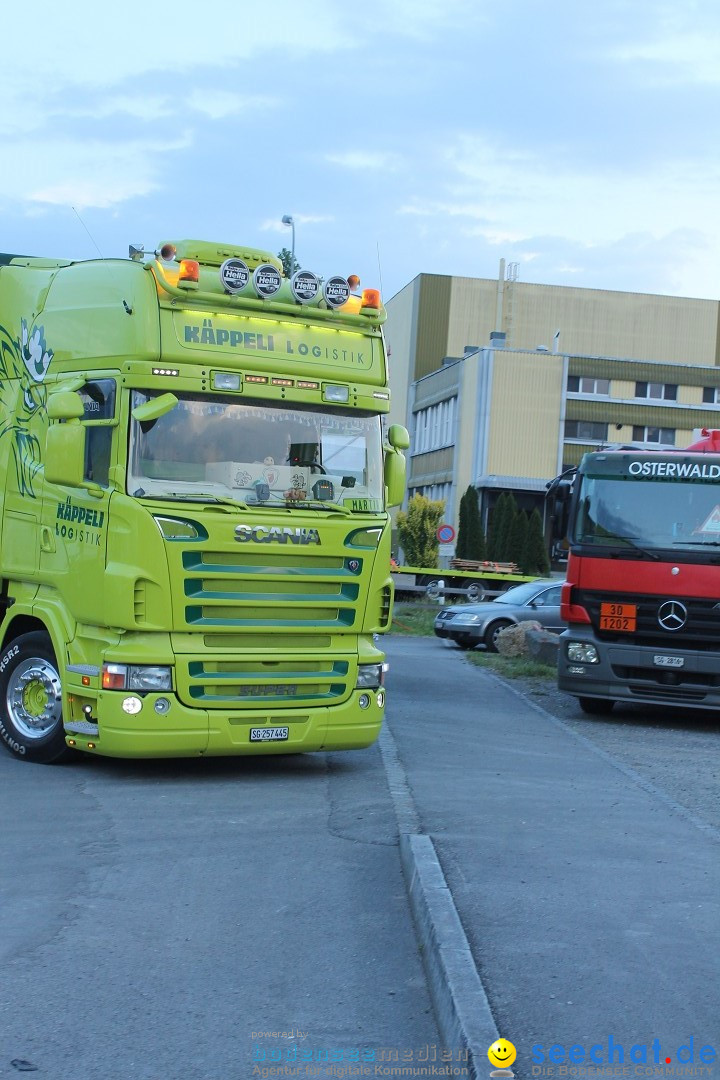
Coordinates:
(143, 677)
(582, 652)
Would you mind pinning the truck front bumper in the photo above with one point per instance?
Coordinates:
(654, 675)
(181, 731)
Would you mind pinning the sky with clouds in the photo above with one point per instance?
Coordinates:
(404, 136)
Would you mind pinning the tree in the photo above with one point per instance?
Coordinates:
(462, 544)
(536, 559)
(290, 263)
(495, 527)
(501, 523)
(517, 538)
(417, 529)
(470, 538)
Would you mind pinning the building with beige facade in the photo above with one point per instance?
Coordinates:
(503, 384)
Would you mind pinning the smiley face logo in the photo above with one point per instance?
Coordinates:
(502, 1053)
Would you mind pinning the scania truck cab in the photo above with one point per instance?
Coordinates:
(195, 475)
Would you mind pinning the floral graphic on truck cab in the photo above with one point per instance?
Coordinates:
(26, 360)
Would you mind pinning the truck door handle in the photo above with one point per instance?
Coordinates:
(47, 538)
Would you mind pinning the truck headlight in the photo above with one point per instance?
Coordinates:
(582, 652)
(136, 677)
(370, 676)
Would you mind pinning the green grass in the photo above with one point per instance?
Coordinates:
(513, 667)
(414, 618)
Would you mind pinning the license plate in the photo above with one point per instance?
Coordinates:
(269, 734)
(622, 617)
(669, 661)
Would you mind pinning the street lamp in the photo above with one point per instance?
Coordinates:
(288, 219)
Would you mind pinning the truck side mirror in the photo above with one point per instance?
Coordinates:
(398, 437)
(394, 477)
(154, 407)
(65, 451)
(65, 405)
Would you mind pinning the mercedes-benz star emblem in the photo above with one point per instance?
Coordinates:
(672, 615)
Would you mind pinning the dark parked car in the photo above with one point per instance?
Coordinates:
(469, 625)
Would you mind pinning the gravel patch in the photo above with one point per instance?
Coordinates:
(677, 750)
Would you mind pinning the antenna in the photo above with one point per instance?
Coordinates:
(87, 231)
(379, 268)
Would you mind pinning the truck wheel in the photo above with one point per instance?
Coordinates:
(31, 724)
(476, 591)
(491, 634)
(432, 590)
(596, 706)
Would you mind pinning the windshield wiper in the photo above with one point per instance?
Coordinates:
(697, 543)
(199, 496)
(622, 542)
(645, 551)
(335, 507)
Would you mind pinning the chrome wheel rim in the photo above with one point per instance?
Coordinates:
(34, 698)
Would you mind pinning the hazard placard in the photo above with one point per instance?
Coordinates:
(711, 524)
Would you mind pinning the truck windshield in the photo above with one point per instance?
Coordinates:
(649, 514)
(262, 453)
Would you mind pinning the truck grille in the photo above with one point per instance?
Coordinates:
(278, 683)
(701, 630)
(236, 589)
(274, 627)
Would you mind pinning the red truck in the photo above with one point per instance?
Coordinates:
(642, 596)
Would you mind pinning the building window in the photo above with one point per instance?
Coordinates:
(584, 385)
(587, 430)
(654, 435)
(436, 492)
(657, 391)
(435, 426)
(711, 395)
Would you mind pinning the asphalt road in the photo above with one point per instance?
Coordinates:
(160, 919)
(582, 856)
(196, 920)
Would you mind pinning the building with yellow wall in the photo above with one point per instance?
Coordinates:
(503, 384)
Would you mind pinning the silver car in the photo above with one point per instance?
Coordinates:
(469, 625)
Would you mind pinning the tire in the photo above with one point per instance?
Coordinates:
(31, 724)
(491, 634)
(596, 706)
(476, 591)
(432, 590)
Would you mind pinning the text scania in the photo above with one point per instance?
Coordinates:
(679, 470)
(263, 534)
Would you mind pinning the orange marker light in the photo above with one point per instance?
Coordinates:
(371, 298)
(114, 676)
(189, 270)
(354, 282)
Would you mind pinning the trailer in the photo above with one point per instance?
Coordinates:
(464, 578)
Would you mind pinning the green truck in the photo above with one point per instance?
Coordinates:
(195, 477)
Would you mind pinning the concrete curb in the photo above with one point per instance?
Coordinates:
(461, 1005)
(462, 1011)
